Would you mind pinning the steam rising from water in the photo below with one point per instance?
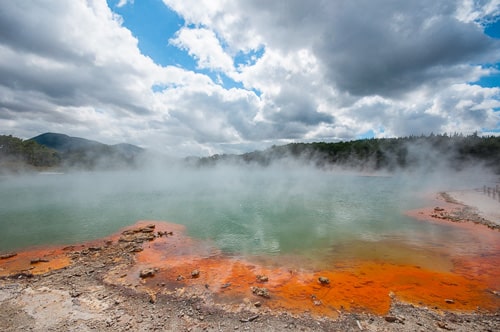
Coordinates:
(243, 210)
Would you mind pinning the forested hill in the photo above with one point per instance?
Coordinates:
(88, 154)
(16, 154)
(52, 150)
(422, 152)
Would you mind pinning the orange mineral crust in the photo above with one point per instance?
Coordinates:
(35, 261)
(183, 265)
(164, 260)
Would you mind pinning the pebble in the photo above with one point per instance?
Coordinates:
(324, 280)
(149, 272)
(262, 278)
(260, 292)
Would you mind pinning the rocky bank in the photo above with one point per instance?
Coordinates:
(102, 288)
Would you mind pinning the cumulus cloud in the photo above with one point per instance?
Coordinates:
(402, 50)
(397, 51)
(72, 67)
(204, 46)
(322, 70)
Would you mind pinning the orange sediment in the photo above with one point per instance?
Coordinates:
(355, 284)
(33, 262)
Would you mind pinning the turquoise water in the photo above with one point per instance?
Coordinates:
(242, 211)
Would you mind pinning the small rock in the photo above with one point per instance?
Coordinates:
(324, 280)
(39, 260)
(147, 230)
(262, 278)
(180, 278)
(249, 319)
(23, 274)
(258, 304)
(135, 249)
(8, 255)
(449, 301)
(391, 319)
(74, 293)
(444, 326)
(149, 272)
(260, 292)
(195, 273)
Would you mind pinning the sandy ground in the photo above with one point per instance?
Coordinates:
(102, 286)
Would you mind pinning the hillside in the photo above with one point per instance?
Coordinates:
(82, 153)
(51, 150)
(390, 154)
(64, 143)
(17, 154)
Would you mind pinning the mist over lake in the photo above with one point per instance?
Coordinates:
(242, 211)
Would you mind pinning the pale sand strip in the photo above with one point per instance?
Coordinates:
(488, 207)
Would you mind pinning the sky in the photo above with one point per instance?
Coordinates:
(200, 77)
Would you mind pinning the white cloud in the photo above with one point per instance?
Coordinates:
(204, 46)
(478, 11)
(328, 70)
(122, 3)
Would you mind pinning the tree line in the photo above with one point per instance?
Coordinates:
(454, 151)
(15, 152)
(412, 152)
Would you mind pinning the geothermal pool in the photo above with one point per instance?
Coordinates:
(350, 227)
(243, 211)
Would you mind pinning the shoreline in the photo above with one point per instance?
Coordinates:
(118, 283)
(464, 206)
(485, 206)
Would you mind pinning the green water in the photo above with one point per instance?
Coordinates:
(242, 211)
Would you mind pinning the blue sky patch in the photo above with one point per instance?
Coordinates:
(154, 24)
(492, 81)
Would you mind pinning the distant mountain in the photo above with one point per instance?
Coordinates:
(128, 149)
(87, 154)
(64, 143)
